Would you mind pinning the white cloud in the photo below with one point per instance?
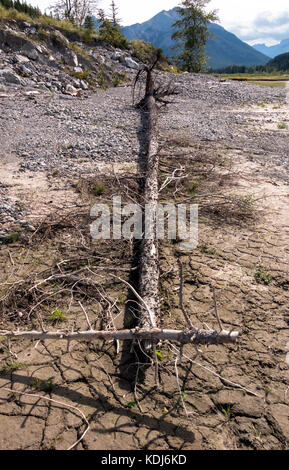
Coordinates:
(252, 20)
(267, 41)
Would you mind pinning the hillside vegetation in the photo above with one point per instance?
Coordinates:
(145, 52)
(281, 62)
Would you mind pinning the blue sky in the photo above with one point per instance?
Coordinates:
(251, 20)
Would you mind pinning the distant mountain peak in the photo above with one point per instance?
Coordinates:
(273, 51)
(223, 51)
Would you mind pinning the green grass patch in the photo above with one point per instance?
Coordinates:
(262, 276)
(98, 189)
(58, 316)
(207, 250)
(274, 84)
(10, 238)
(84, 75)
(282, 125)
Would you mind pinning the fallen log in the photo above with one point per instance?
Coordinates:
(154, 335)
(149, 277)
(149, 256)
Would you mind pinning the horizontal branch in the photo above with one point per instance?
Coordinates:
(154, 335)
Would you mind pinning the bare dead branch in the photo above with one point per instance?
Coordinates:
(154, 335)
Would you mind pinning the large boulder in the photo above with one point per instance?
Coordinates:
(9, 77)
(21, 45)
(20, 59)
(30, 51)
(13, 40)
(130, 63)
(70, 58)
(60, 38)
(117, 56)
(125, 60)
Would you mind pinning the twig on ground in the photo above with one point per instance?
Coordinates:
(218, 375)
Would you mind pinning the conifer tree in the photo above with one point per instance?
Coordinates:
(192, 33)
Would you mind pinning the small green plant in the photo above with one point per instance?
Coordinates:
(192, 186)
(84, 75)
(129, 322)
(42, 34)
(119, 79)
(103, 81)
(10, 238)
(246, 204)
(130, 404)
(58, 316)
(282, 125)
(262, 276)
(43, 385)
(98, 189)
(206, 250)
(13, 366)
(55, 173)
(227, 411)
(159, 355)
(75, 47)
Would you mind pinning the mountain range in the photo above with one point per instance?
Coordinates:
(224, 50)
(273, 51)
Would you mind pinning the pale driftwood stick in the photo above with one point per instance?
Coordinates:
(153, 335)
(216, 309)
(86, 316)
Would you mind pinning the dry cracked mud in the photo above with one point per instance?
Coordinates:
(233, 397)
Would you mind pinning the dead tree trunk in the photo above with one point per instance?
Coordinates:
(149, 256)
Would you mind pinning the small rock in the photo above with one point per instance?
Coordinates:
(70, 90)
(24, 69)
(83, 85)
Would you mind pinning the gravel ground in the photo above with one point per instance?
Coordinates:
(68, 136)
